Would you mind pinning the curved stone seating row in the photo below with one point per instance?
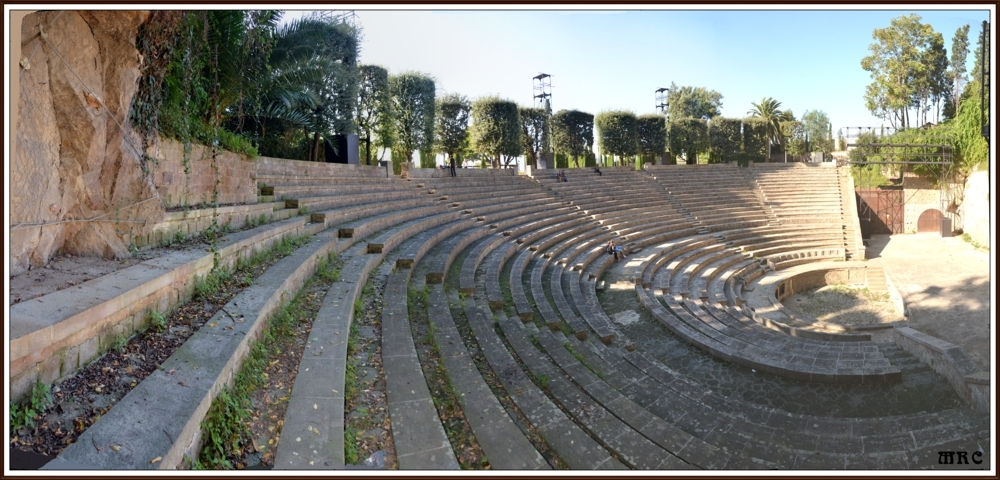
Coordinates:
(787, 259)
(325, 202)
(571, 442)
(190, 411)
(419, 438)
(765, 350)
(710, 253)
(573, 445)
(53, 336)
(652, 429)
(634, 449)
(501, 440)
(316, 404)
(767, 309)
(772, 437)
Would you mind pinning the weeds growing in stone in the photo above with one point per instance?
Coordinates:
(23, 415)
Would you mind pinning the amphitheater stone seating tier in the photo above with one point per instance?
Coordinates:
(526, 313)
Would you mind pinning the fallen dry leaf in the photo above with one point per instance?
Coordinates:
(157, 459)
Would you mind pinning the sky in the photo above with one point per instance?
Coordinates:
(807, 58)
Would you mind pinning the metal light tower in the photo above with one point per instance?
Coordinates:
(543, 91)
(663, 108)
(542, 84)
(661, 100)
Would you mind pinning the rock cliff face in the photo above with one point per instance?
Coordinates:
(76, 165)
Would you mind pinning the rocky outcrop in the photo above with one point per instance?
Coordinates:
(76, 171)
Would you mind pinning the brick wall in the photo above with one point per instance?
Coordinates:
(236, 174)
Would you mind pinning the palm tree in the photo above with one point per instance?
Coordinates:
(768, 111)
(311, 73)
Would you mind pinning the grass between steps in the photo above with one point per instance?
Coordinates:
(228, 435)
(467, 450)
(81, 400)
(367, 427)
(493, 381)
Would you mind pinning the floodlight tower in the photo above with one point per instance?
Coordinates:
(661, 100)
(543, 91)
(663, 108)
(542, 84)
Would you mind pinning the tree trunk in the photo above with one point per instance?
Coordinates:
(314, 154)
(368, 150)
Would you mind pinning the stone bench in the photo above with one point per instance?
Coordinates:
(53, 336)
(428, 239)
(571, 443)
(667, 279)
(667, 253)
(708, 284)
(777, 438)
(787, 251)
(418, 436)
(370, 224)
(323, 189)
(692, 280)
(494, 264)
(865, 364)
(501, 440)
(394, 197)
(707, 333)
(763, 244)
(467, 280)
(634, 449)
(332, 218)
(798, 257)
(184, 386)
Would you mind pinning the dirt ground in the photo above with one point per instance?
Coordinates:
(843, 305)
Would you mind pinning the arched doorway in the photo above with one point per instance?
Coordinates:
(929, 221)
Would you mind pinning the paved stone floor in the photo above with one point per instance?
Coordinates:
(945, 283)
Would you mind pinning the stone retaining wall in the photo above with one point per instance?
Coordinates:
(236, 175)
(947, 359)
(975, 208)
(281, 167)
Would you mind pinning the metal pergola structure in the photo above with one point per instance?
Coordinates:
(906, 155)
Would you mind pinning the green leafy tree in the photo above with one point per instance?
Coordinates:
(534, 132)
(412, 96)
(755, 138)
(959, 53)
(688, 135)
(451, 132)
(933, 86)
(771, 116)
(651, 134)
(373, 114)
(817, 128)
(219, 61)
(617, 133)
(724, 139)
(978, 66)
(573, 134)
(693, 102)
(794, 134)
(898, 70)
(496, 130)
